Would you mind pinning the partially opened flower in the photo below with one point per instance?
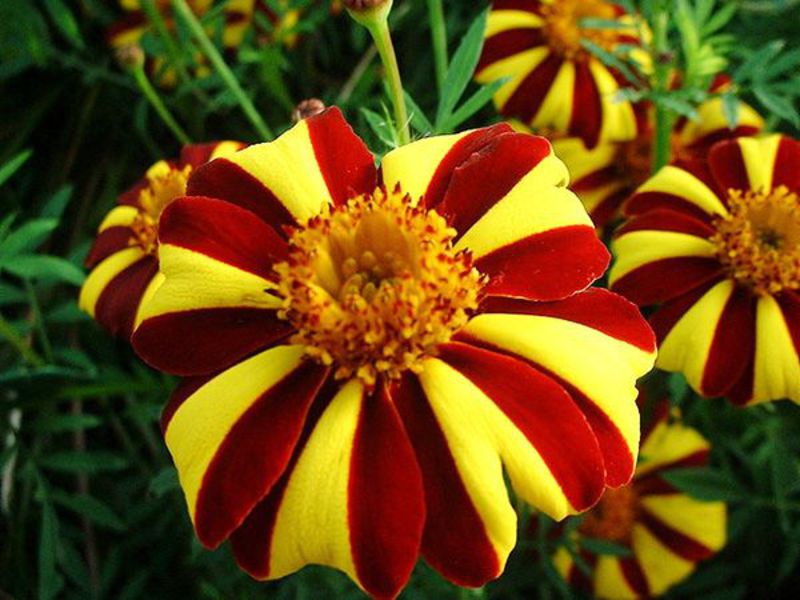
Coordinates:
(666, 532)
(124, 257)
(715, 244)
(603, 177)
(554, 81)
(238, 15)
(368, 356)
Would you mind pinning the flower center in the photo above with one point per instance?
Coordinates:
(613, 517)
(164, 184)
(374, 286)
(564, 28)
(759, 240)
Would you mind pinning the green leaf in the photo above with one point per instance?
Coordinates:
(55, 206)
(65, 22)
(13, 165)
(477, 101)
(604, 547)
(755, 66)
(779, 105)
(11, 295)
(705, 484)
(91, 508)
(418, 119)
(83, 462)
(66, 422)
(461, 69)
(719, 19)
(28, 237)
(610, 60)
(50, 582)
(44, 267)
(165, 481)
(731, 107)
(382, 127)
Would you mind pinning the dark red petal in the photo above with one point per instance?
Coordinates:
(508, 43)
(108, 242)
(196, 342)
(455, 541)
(224, 232)
(547, 266)
(587, 115)
(254, 454)
(787, 165)
(527, 99)
(727, 165)
(119, 301)
(386, 499)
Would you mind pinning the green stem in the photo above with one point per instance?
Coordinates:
(439, 36)
(664, 117)
(383, 41)
(224, 71)
(38, 321)
(174, 53)
(8, 333)
(356, 76)
(155, 100)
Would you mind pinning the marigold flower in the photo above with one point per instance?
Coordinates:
(124, 257)
(666, 531)
(368, 354)
(605, 176)
(132, 26)
(554, 82)
(715, 243)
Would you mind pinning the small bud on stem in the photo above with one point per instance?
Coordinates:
(307, 108)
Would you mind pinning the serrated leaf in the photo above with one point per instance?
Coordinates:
(13, 165)
(83, 462)
(610, 60)
(755, 66)
(719, 19)
(705, 484)
(781, 106)
(27, 238)
(91, 508)
(44, 267)
(461, 69)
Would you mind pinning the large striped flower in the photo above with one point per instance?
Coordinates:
(124, 257)
(606, 175)
(368, 355)
(554, 83)
(715, 244)
(132, 26)
(666, 531)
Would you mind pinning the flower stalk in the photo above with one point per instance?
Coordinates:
(375, 17)
(216, 60)
(664, 117)
(155, 101)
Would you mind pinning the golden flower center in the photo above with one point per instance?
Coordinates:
(759, 240)
(613, 517)
(163, 186)
(374, 286)
(564, 28)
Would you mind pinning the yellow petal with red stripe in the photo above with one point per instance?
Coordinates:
(556, 110)
(580, 160)
(499, 21)
(609, 580)
(675, 181)
(149, 292)
(119, 216)
(712, 119)
(535, 195)
(201, 424)
(669, 443)
(638, 248)
(777, 364)
(662, 568)
(102, 275)
(311, 526)
(703, 522)
(619, 121)
(686, 347)
(516, 68)
(759, 156)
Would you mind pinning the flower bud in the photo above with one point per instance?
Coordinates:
(368, 12)
(307, 108)
(130, 56)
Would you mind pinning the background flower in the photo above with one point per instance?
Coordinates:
(666, 532)
(555, 83)
(716, 243)
(376, 451)
(124, 257)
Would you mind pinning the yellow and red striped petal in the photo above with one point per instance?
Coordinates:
(232, 437)
(112, 293)
(351, 498)
(777, 348)
(214, 306)
(564, 339)
(711, 126)
(320, 161)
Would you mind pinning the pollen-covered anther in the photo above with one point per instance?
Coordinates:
(613, 517)
(565, 28)
(375, 286)
(163, 186)
(759, 240)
